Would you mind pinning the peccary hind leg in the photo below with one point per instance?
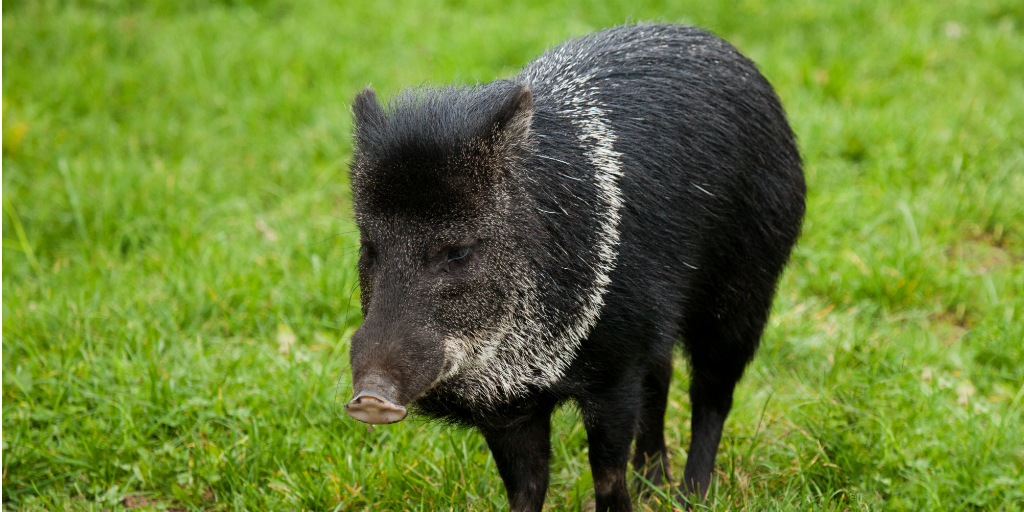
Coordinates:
(711, 399)
(651, 458)
(521, 452)
(720, 340)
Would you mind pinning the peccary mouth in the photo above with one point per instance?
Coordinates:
(373, 403)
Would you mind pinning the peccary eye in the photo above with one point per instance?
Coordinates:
(458, 254)
(455, 257)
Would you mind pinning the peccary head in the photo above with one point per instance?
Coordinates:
(442, 230)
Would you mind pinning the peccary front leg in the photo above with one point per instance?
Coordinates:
(610, 420)
(521, 452)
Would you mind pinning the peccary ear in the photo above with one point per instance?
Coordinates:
(367, 109)
(510, 123)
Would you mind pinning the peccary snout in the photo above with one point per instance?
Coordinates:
(384, 378)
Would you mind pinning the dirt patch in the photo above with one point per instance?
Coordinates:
(139, 501)
(983, 255)
(949, 327)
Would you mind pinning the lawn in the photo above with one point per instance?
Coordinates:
(179, 279)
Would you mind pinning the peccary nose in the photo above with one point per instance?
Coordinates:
(372, 403)
(369, 408)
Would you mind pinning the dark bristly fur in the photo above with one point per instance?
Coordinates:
(550, 237)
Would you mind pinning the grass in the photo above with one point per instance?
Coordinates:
(178, 274)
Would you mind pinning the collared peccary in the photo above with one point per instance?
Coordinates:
(551, 237)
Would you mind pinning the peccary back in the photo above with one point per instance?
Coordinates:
(550, 237)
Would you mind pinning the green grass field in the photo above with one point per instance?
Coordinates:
(179, 277)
